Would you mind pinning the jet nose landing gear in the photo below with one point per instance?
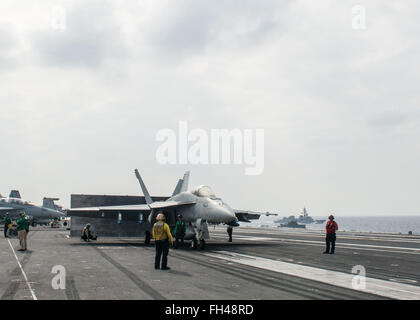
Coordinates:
(198, 244)
(201, 233)
(194, 243)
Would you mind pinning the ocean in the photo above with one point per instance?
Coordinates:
(391, 224)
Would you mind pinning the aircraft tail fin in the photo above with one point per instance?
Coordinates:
(185, 180)
(49, 203)
(15, 194)
(177, 188)
(143, 187)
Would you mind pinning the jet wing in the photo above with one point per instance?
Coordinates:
(2, 209)
(245, 216)
(170, 204)
(134, 207)
(138, 207)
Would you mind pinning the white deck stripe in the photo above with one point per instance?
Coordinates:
(23, 272)
(322, 234)
(318, 231)
(322, 242)
(379, 287)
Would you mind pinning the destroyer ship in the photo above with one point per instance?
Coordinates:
(303, 219)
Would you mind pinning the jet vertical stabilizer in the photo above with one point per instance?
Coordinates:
(49, 203)
(185, 180)
(15, 194)
(177, 188)
(143, 187)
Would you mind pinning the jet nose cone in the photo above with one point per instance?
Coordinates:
(220, 212)
(229, 213)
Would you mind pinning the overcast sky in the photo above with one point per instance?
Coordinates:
(82, 99)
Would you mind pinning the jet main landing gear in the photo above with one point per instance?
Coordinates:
(202, 244)
(198, 244)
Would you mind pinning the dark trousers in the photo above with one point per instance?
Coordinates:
(6, 227)
(230, 234)
(90, 237)
(330, 242)
(162, 250)
(178, 239)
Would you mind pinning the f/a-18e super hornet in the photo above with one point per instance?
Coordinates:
(14, 205)
(198, 207)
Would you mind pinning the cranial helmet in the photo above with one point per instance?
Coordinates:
(160, 217)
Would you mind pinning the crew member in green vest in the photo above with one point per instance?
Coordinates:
(7, 222)
(180, 229)
(22, 229)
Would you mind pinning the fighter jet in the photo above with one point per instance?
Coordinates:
(198, 207)
(14, 205)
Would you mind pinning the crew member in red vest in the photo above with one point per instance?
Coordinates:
(331, 227)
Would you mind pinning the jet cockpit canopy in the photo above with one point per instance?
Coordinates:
(15, 200)
(204, 191)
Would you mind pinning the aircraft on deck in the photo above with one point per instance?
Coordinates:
(198, 207)
(14, 205)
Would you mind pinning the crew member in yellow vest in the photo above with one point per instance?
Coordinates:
(162, 235)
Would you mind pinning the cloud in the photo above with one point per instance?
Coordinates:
(90, 36)
(188, 27)
(86, 101)
(9, 47)
(390, 119)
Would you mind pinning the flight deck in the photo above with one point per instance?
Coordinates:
(260, 263)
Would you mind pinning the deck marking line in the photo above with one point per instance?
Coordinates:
(323, 242)
(23, 272)
(378, 287)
